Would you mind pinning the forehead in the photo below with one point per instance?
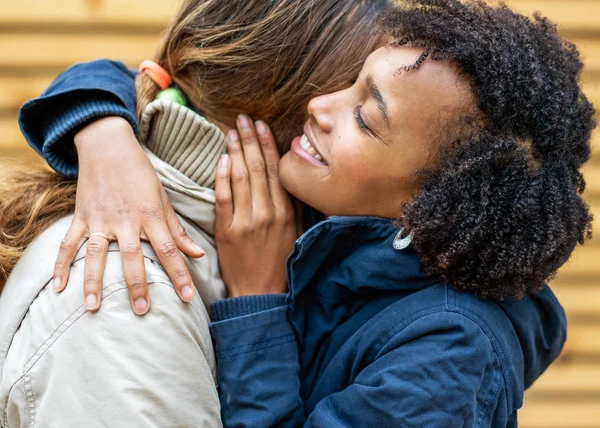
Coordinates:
(435, 86)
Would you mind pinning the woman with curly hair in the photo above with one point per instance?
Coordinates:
(467, 132)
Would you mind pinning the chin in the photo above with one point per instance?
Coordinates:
(288, 175)
(297, 181)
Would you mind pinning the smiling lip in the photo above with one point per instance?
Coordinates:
(312, 141)
(303, 154)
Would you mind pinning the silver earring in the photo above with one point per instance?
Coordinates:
(401, 243)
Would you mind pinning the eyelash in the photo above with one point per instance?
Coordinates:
(360, 122)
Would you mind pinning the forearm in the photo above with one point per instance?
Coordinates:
(258, 362)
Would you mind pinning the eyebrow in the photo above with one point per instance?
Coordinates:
(376, 93)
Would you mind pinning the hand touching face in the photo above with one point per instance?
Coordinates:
(256, 227)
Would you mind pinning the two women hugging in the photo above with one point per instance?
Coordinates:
(373, 250)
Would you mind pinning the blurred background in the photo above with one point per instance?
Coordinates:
(41, 38)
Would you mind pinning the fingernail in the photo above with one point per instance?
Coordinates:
(243, 121)
(57, 284)
(187, 293)
(232, 135)
(261, 127)
(140, 306)
(90, 302)
(224, 161)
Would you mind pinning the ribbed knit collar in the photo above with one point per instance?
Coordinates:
(183, 139)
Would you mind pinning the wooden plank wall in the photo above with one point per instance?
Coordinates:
(40, 38)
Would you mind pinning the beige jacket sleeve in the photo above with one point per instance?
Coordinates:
(66, 367)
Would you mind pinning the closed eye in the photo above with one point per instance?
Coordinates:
(361, 123)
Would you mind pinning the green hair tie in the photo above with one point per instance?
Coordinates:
(172, 94)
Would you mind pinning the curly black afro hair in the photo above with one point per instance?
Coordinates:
(501, 210)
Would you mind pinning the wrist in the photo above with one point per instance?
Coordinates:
(102, 131)
(254, 291)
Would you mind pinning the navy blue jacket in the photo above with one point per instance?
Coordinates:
(364, 337)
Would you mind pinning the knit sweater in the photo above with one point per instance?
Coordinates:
(183, 139)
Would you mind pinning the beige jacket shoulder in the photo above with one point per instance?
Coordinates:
(61, 366)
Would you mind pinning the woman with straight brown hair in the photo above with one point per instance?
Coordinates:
(64, 364)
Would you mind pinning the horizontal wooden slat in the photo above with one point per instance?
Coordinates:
(31, 50)
(14, 91)
(22, 153)
(10, 134)
(581, 339)
(569, 378)
(121, 12)
(577, 297)
(578, 15)
(560, 415)
(591, 173)
(584, 261)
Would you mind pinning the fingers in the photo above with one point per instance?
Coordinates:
(240, 186)
(134, 271)
(255, 164)
(182, 239)
(171, 259)
(279, 195)
(93, 271)
(67, 252)
(224, 201)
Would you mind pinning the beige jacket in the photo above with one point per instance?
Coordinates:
(61, 366)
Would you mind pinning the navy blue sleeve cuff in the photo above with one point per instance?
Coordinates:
(245, 305)
(53, 138)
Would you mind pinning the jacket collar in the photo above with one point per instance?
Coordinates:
(355, 253)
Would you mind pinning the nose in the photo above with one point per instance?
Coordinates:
(322, 110)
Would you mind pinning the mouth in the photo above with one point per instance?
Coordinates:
(304, 147)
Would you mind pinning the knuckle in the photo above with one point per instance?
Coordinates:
(223, 199)
(79, 217)
(248, 136)
(180, 231)
(245, 229)
(66, 244)
(180, 276)
(273, 170)
(256, 167)
(220, 234)
(264, 219)
(94, 249)
(234, 147)
(266, 140)
(222, 174)
(136, 284)
(152, 212)
(286, 217)
(131, 249)
(90, 282)
(239, 175)
(168, 250)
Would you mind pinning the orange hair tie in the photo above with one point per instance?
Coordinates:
(159, 75)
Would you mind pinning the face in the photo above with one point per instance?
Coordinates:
(362, 146)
